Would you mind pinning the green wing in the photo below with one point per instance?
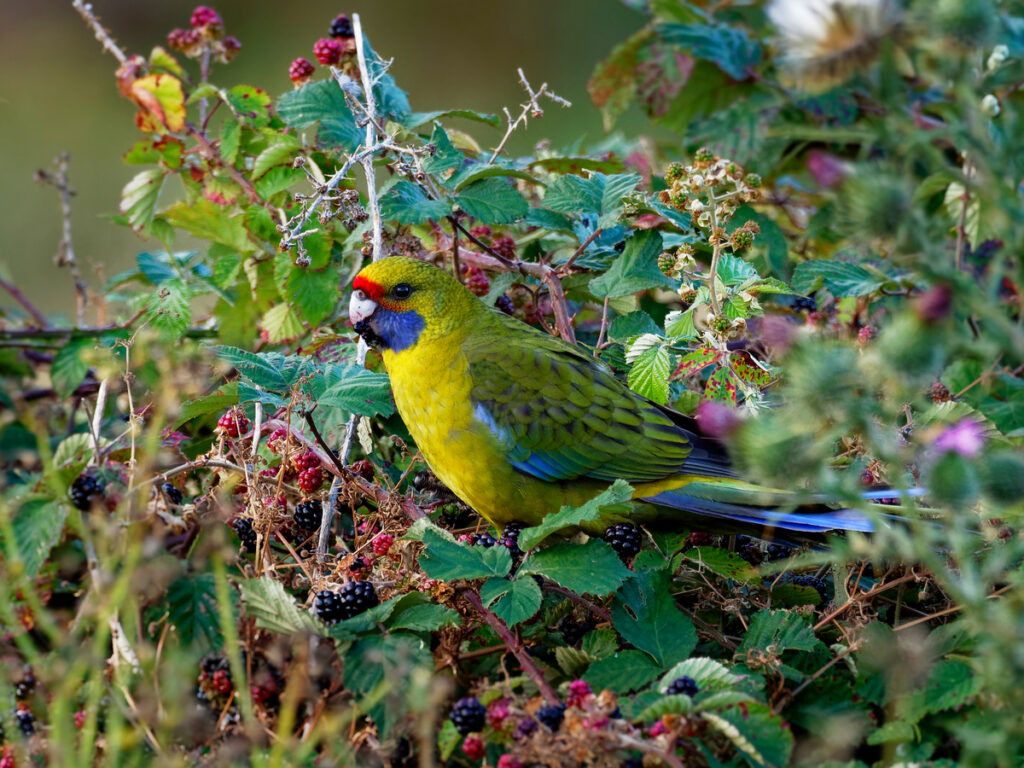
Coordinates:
(559, 414)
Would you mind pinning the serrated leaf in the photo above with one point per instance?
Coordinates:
(571, 194)
(251, 104)
(264, 370)
(645, 614)
(447, 560)
(168, 308)
(378, 669)
(69, 367)
(679, 324)
(76, 448)
(162, 103)
(648, 376)
(511, 601)
(416, 119)
(492, 201)
(281, 324)
(406, 203)
(280, 151)
(728, 47)
(321, 102)
(37, 527)
(445, 157)
(677, 704)
(721, 386)
(139, 198)
(722, 562)
(707, 673)
(571, 661)
(732, 270)
(622, 672)
(208, 221)
(193, 611)
(627, 326)
(773, 633)
(841, 278)
(571, 517)
(589, 568)
(357, 390)
(161, 58)
(615, 188)
(696, 361)
(475, 172)
(278, 180)
(760, 736)
(314, 293)
(266, 601)
(636, 269)
(749, 370)
(426, 618)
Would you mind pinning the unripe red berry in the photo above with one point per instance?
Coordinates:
(363, 468)
(473, 746)
(310, 480)
(480, 231)
(505, 246)
(476, 280)
(300, 71)
(233, 423)
(306, 460)
(327, 51)
(187, 41)
(382, 543)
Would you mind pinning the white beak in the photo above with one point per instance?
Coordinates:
(360, 307)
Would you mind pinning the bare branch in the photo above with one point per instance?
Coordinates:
(530, 108)
(66, 251)
(87, 14)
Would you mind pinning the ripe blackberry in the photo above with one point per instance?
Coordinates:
(481, 540)
(327, 51)
(341, 27)
(804, 304)
(308, 514)
(299, 73)
(573, 629)
(779, 551)
(625, 539)
(246, 535)
(505, 246)
(328, 607)
(504, 303)
(85, 490)
(682, 685)
(233, 423)
(468, 715)
(808, 580)
(204, 16)
(310, 480)
(357, 597)
(552, 715)
(633, 762)
(173, 493)
(749, 549)
(26, 720)
(510, 538)
(24, 687)
(524, 728)
(382, 543)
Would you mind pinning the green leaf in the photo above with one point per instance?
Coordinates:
(263, 370)
(321, 102)
(732, 270)
(649, 374)
(69, 367)
(230, 138)
(622, 672)
(571, 517)
(511, 601)
(492, 201)
(251, 104)
(696, 361)
(314, 293)
(841, 278)
(475, 172)
(278, 179)
(139, 198)
(266, 601)
(209, 221)
(616, 187)
(895, 731)
(357, 390)
(635, 323)
(760, 736)
(775, 632)
(447, 560)
(707, 673)
(382, 669)
(426, 618)
(722, 562)
(445, 157)
(677, 704)
(168, 309)
(193, 612)
(636, 269)
(589, 568)
(949, 686)
(281, 324)
(571, 194)
(406, 203)
(645, 614)
(280, 151)
(730, 48)
(416, 119)
(37, 527)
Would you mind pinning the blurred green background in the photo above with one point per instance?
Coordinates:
(57, 93)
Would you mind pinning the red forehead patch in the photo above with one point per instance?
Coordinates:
(373, 290)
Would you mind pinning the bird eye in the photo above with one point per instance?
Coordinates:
(402, 291)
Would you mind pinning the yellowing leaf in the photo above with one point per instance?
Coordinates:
(162, 101)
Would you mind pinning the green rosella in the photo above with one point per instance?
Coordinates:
(518, 423)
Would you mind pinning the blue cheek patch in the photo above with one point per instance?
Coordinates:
(398, 330)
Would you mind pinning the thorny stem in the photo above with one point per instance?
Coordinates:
(715, 254)
(530, 108)
(579, 251)
(104, 38)
(512, 643)
(66, 251)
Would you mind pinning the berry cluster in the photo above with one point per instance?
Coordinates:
(173, 494)
(625, 539)
(510, 538)
(204, 35)
(234, 423)
(682, 685)
(468, 715)
(85, 491)
(353, 599)
(308, 514)
(246, 535)
(382, 544)
(329, 51)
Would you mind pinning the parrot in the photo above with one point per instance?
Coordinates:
(518, 423)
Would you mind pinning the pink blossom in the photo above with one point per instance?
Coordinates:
(965, 437)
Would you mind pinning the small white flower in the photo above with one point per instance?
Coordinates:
(825, 41)
(696, 206)
(999, 54)
(990, 105)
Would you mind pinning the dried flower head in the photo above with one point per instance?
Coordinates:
(824, 42)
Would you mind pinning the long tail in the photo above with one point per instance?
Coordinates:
(745, 506)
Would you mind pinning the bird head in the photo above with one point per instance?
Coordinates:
(398, 300)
